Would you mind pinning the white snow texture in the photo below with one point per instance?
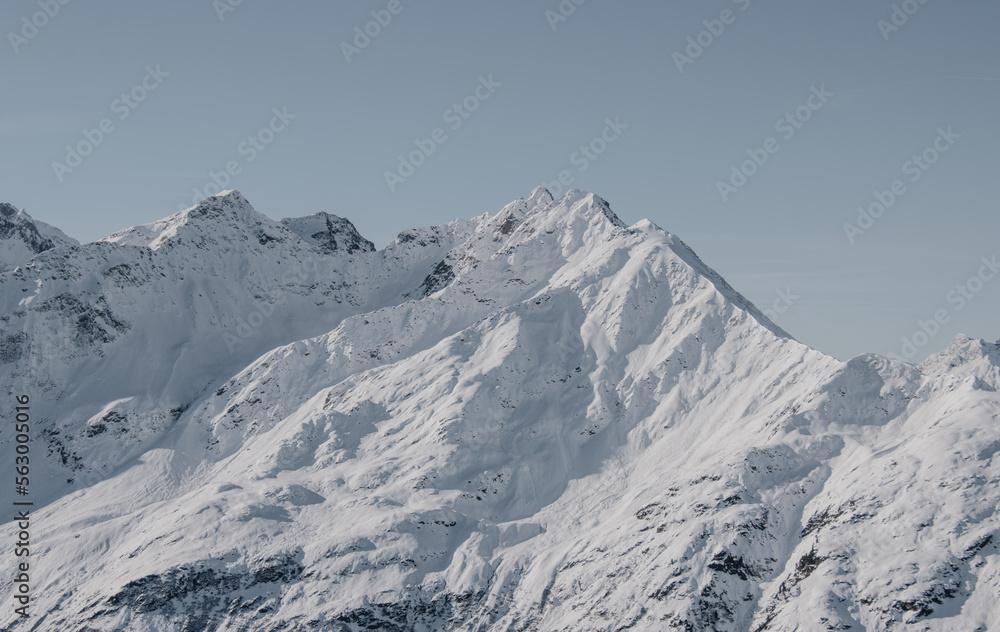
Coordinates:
(540, 419)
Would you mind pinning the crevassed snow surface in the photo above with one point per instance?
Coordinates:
(540, 419)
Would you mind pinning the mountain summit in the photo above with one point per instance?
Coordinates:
(537, 419)
(22, 237)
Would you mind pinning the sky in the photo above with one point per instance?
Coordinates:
(835, 162)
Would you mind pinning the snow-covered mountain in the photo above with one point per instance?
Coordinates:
(22, 237)
(539, 419)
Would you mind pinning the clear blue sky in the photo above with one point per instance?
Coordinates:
(779, 233)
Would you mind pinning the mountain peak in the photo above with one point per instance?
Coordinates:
(226, 200)
(226, 216)
(966, 357)
(329, 233)
(22, 237)
(540, 197)
(590, 204)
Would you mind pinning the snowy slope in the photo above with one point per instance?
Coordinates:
(967, 358)
(117, 338)
(22, 237)
(541, 419)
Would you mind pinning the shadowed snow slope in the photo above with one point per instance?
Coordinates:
(541, 419)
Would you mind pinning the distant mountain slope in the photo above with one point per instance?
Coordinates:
(329, 233)
(22, 237)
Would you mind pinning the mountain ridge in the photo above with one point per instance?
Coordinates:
(22, 237)
(541, 418)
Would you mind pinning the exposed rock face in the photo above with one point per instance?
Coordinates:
(22, 237)
(329, 233)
